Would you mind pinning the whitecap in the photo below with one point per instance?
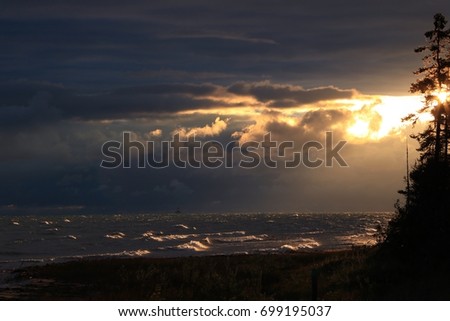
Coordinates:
(136, 253)
(147, 234)
(171, 237)
(303, 243)
(72, 237)
(182, 226)
(225, 233)
(358, 239)
(151, 233)
(115, 235)
(239, 239)
(197, 246)
(110, 254)
(288, 247)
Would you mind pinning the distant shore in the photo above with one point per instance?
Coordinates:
(231, 277)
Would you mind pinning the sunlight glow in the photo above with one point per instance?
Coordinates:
(442, 96)
(369, 117)
(360, 129)
(383, 118)
(290, 121)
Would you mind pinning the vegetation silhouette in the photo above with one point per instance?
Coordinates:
(412, 262)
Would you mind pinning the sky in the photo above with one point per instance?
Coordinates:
(75, 75)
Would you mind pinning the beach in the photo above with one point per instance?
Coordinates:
(225, 277)
(359, 273)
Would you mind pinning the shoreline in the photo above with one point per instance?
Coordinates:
(267, 276)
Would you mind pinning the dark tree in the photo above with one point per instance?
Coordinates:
(424, 221)
(434, 85)
(413, 262)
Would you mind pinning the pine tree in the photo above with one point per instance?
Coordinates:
(434, 85)
(412, 261)
(424, 220)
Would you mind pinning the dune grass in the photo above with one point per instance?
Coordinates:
(234, 277)
(357, 274)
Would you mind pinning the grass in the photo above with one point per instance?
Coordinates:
(235, 277)
(357, 274)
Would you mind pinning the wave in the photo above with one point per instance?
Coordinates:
(182, 226)
(136, 253)
(304, 244)
(149, 234)
(139, 252)
(115, 235)
(228, 233)
(358, 239)
(238, 239)
(161, 237)
(371, 230)
(170, 237)
(197, 246)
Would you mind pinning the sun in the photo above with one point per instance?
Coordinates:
(359, 129)
(373, 121)
(442, 96)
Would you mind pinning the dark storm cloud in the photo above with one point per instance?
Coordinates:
(130, 102)
(37, 111)
(349, 44)
(65, 63)
(19, 105)
(287, 95)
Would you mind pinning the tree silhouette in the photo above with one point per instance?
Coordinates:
(423, 222)
(412, 262)
(434, 85)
